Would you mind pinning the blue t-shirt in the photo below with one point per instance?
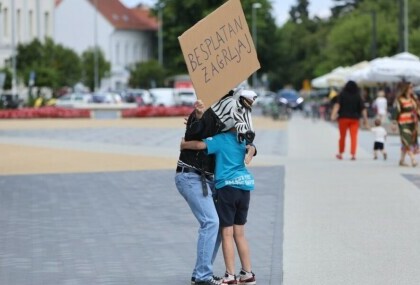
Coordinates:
(230, 165)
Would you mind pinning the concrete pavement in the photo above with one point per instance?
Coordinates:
(348, 222)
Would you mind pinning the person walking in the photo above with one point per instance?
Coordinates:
(381, 106)
(406, 117)
(348, 108)
(234, 184)
(380, 137)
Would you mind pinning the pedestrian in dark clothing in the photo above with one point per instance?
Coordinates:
(349, 108)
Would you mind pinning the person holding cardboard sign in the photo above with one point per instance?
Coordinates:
(194, 179)
(234, 184)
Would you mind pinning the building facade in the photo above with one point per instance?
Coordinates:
(124, 35)
(22, 21)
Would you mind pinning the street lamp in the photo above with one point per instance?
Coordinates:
(403, 26)
(14, 76)
(160, 35)
(406, 25)
(95, 51)
(255, 6)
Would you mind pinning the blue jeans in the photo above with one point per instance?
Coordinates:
(204, 210)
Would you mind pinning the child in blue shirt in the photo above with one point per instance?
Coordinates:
(234, 184)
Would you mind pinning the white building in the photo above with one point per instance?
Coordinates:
(21, 21)
(124, 35)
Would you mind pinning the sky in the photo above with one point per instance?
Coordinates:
(281, 8)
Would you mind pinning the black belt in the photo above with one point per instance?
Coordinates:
(193, 170)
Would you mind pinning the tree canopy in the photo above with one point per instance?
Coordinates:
(356, 31)
(179, 16)
(302, 48)
(52, 64)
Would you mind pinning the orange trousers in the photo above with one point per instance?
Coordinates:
(345, 124)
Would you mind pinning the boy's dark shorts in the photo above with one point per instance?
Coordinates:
(232, 206)
(378, 146)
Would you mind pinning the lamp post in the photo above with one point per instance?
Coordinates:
(12, 12)
(255, 6)
(403, 26)
(95, 51)
(406, 25)
(160, 34)
(374, 41)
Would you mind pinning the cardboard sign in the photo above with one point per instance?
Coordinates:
(219, 52)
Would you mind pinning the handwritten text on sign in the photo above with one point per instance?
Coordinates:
(219, 52)
(228, 44)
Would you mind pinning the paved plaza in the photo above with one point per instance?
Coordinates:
(94, 202)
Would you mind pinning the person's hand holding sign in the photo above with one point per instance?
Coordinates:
(199, 109)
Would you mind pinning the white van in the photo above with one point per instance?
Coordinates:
(164, 97)
(74, 100)
(186, 96)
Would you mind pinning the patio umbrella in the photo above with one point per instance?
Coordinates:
(336, 78)
(401, 67)
(360, 72)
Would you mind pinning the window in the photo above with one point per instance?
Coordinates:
(5, 23)
(18, 25)
(117, 53)
(137, 53)
(46, 24)
(126, 60)
(144, 52)
(31, 24)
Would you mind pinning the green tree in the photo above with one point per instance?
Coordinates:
(65, 62)
(343, 7)
(147, 75)
(53, 65)
(299, 12)
(179, 16)
(8, 80)
(312, 47)
(88, 64)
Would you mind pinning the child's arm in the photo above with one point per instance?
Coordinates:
(194, 145)
(250, 153)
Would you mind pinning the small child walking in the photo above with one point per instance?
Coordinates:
(380, 137)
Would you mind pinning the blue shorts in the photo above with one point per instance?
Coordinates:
(232, 206)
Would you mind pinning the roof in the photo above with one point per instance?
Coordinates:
(121, 17)
(144, 15)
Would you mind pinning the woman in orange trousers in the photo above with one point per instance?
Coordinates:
(348, 108)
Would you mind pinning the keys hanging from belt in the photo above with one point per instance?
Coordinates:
(204, 184)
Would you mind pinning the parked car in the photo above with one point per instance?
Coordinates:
(187, 97)
(164, 97)
(73, 99)
(294, 101)
(265, 98)
(9, 101)
(106, 98)
(139, 96)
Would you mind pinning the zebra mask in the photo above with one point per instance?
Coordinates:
(234, 110)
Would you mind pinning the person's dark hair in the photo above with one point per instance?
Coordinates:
(351, 88)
